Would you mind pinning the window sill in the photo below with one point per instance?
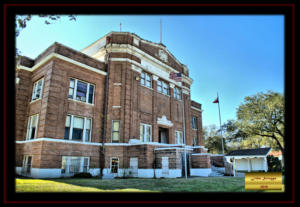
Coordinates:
(81, 102)
(163, 94)
(35, 100)
(146, 87)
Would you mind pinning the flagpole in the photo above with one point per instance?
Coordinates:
(185, 161)
(220, 123)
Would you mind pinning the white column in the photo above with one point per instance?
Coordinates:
(71, 127)
(248, 164)
(265, 164)
(233, 166)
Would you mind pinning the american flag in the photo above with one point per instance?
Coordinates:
(175, 76)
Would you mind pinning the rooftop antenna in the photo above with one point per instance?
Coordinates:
(160, 31)
(120, 26)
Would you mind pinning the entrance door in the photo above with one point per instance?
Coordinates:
(165, 166)
(163, 135)
(26, 169)
(134, 166)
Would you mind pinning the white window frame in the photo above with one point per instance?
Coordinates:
(25, 165)
(112, 131)
(111, 165)
(142, 139)
(177, 93)
(68, 162)
(35, 88)
(87, 92)
(84, 127)
(145, 79)
(161, 85)
(194, 122)
(195, 141)
(177, 138)
(29, 126)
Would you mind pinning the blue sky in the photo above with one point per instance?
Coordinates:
(233, 55)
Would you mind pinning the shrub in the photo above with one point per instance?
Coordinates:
(274, 164)
(83, 175)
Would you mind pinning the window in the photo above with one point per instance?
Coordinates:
(195, 141)
(78, 128)
(37, 90)
(146, 80)
(178, 137)
(32, 127)
(73, 165)
(177, 93)
(163, 87)
(145, 133)
(81, 91)
(27, 164)
(114, 165)
(115, 131)
(194, 122)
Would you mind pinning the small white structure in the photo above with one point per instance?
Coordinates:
(249, 160)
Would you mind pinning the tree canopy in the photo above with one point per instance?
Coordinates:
(262, 116)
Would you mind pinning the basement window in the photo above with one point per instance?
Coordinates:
(37, 90)
(81, 91)
(114, 165)
(27, 165)
(72, 165)
(78, 128)
(32, 127)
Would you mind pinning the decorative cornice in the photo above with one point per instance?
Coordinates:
(61, 57)
(164, 121)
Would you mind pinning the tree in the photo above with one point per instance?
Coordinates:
(262, 116)
(22, 20)
(213, 139)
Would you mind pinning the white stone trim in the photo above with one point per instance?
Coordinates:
(185, 91)
(164, 121)
(194, 108)
(52, 172)
(166, 148)
(55, 55)
(117, 84)
(246, 157)
(196, 154)
(135, 68)
(154, 77)
(58, 140)
(127, 48)
(200, 172)
(216, 155)
(116, 107)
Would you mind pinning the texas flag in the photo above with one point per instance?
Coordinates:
(217, 100)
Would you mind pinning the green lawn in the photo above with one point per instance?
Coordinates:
(203, 184)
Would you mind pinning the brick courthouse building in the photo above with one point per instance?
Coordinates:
(111, 106)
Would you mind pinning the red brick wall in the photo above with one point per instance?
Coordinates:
(200, 161)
